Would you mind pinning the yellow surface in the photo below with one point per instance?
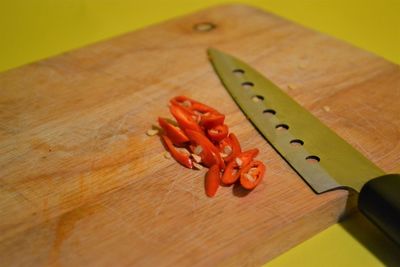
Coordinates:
(353, 242)
(34, 29)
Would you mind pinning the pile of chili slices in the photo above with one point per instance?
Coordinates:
(200, 138)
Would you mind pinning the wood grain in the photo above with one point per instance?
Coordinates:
(82, 185)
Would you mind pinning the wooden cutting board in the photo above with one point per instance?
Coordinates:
(82, 185)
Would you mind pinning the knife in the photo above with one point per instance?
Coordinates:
(322, 158)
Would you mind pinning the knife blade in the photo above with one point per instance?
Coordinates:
(321, 157)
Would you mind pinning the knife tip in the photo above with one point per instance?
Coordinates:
(212, 52)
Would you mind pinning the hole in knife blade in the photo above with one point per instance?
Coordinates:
(282, 127)
(312, 159)
(238, 72)
(247, 85)
(204, 27)
(296, 142)
(269, 111)
(257, 98)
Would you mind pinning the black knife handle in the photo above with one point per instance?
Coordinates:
(379, 200)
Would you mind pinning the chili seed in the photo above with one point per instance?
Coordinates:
(186, 103)
(239, 162)
(227, 150)
(249, 177)
(183, 150)
(152, 132)
(213, 131)
(196, 158)
(223, 155)
(167, 155)
(197, 165)
(198, 150)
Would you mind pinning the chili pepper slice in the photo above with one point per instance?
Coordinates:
(177, 136)
(218, 132)
(231, 173)
(180, 157)
(247, 156)
(184, 119)
(206, 115)
(233, 169)
(212, 180)
(182, 100)
(209, 153)
(192, 105)
(252, 174)
(212, 119)
(207, 158)
(230, 147)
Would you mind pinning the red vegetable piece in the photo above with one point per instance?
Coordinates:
(252, 174)
(231, 173)
(247, 156)
(182, 100)
(206, 115)
(180, 157)
(192, 105)
(230, 146)
(177, 136)
(211, 120)
(184, 119)
(234, 168)
(218, 132)
(212, 180)
(209, 153)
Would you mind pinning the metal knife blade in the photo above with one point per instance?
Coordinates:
(272, 111)
(322, 158)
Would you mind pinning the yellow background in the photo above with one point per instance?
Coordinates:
(34, 29)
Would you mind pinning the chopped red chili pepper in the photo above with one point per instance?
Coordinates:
(182, 100)
(229, 147)
(235, 166)
(252, 174)
(211, 120)
(212, 181)
(181, 157)
(177, 136)
(209, 153)
(218, 132)
(207, 116)
(192, 105)
(231, 173)
(184, 119)
(247, 156)
(201, 130)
